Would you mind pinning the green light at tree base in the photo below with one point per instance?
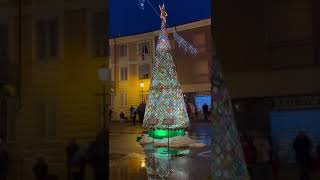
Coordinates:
(163, 133)
(163, 153)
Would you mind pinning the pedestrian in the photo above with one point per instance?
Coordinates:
(71, 149)
(188, 110)
(132, 115)
(78, 167)
(122, 117)
(196, 112)
(205, 110)
(263, 148)
(4, 161)
(141, 112)
(317, 162)
(110, 113)
(96, 155)
(131, 109)
(250, 152)
(302, 146)
(40, 169)
(192, 110)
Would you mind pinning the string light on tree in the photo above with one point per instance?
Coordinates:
(165, 100)
(186, 46)
(141, 4)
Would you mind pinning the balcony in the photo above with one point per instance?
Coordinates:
(145, 57)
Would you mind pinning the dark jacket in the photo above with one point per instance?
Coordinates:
(40, 171)
(4, 162)
(302, 147)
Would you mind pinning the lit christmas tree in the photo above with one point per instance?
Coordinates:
(227, 155)
(165, 102)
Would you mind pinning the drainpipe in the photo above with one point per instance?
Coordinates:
(19, 73)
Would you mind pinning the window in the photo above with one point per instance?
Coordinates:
(110, 51)
(123, 99)
(47, 38)
(144, 71)
(99, 41)
(201, 67)
(47, 119)
(200, 41)
(124, 74)
(112, 74)
(4, 42)
(123, 50)
(144, 48)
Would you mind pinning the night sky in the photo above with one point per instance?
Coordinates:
(127, 18)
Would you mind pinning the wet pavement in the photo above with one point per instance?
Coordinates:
(129, 160)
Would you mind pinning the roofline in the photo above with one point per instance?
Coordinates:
(142, 36)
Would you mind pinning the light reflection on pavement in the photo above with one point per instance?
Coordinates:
(128, 160)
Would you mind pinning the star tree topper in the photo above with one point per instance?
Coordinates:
(164, 13)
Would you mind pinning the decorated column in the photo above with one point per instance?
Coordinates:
(227, 156)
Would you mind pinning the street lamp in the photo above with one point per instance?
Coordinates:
(103, 73)
(142, 85)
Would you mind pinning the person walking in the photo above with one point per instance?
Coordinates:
(205, 110)
(122, 117)
(192, 111)
(4, 161)
(302, 146)
(132, 115)
(40, 169)
(96, 156)
(141, 112)
(78, 167)
(71, 149)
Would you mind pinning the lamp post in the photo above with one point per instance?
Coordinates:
(103, 73)
(142, 85)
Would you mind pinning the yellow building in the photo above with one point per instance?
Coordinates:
(63, 46)
(131, 60)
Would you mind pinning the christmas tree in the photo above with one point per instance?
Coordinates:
(227, 156)
(165, 101)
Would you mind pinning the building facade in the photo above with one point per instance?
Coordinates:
(63, 44)
(131, 61)
(270, 55)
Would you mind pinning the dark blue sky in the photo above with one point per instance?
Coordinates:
(126, 18)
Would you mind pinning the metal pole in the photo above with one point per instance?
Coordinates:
(142, 95)
(104, 106)
(19, 53)
(105, 128)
